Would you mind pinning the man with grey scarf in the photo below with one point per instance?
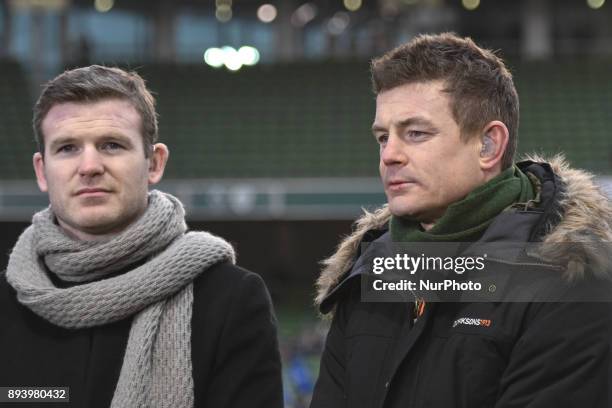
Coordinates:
(106, 292)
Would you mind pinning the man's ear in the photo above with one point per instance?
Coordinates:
(39, 169)
(157, 162)
(493, 145)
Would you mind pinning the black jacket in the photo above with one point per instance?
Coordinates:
(236, 362)
(529, 354)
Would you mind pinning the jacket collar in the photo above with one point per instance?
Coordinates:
(572, 209)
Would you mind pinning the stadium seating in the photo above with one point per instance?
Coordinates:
(308, 120)
(567, 107)
(312, 119)
(16, 137)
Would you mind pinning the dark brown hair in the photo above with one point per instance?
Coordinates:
(93, 84)
(479, 85)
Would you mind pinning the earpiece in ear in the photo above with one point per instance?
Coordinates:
(488, 146)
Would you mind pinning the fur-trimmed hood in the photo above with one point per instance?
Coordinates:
(584, 216)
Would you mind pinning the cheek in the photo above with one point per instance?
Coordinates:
(139, 181)
(133, 173)
(57, 180)
(439, 182)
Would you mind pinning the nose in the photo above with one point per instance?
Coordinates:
(91, 163)
(393, 151)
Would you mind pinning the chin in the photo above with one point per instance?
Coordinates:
(402, 209)
(95, 220)
(91, 226)
(419, 212)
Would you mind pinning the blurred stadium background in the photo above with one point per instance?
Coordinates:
(266, 107)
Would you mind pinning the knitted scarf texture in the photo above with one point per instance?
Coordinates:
(157, 368)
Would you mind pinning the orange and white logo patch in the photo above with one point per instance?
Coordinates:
(470, 321)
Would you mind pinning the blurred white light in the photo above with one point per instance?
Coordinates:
(470, 4)
(242, 198)
(248, 55)
(223, 13)
(338, 23)
(104, 5)
(595, 4)
(214, 57)
(266, 13)
(231, 58)
(352, 5)
(304, 14)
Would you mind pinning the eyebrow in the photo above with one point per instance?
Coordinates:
(60, 141)
(70, 139)
(412, 121)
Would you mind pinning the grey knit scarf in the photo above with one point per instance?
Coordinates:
(156, 370)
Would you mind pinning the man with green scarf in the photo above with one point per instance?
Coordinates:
(106, 294)
(447, 127)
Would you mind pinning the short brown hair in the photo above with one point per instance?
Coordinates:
(93, 84)
(478, 83)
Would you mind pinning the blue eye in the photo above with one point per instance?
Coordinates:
(416, 134)
(382, 139)
(66, 148)
(111, 146)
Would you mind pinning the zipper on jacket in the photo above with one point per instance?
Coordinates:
(413, 398)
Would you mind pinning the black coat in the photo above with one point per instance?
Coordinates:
(529, 354)
(236, 362)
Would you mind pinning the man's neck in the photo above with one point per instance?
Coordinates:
(427, 226)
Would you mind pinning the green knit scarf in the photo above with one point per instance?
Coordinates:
(466, 220)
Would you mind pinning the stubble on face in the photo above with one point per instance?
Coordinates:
(424, 163)
(94, 168)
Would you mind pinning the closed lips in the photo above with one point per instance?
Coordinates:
(91, 190)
